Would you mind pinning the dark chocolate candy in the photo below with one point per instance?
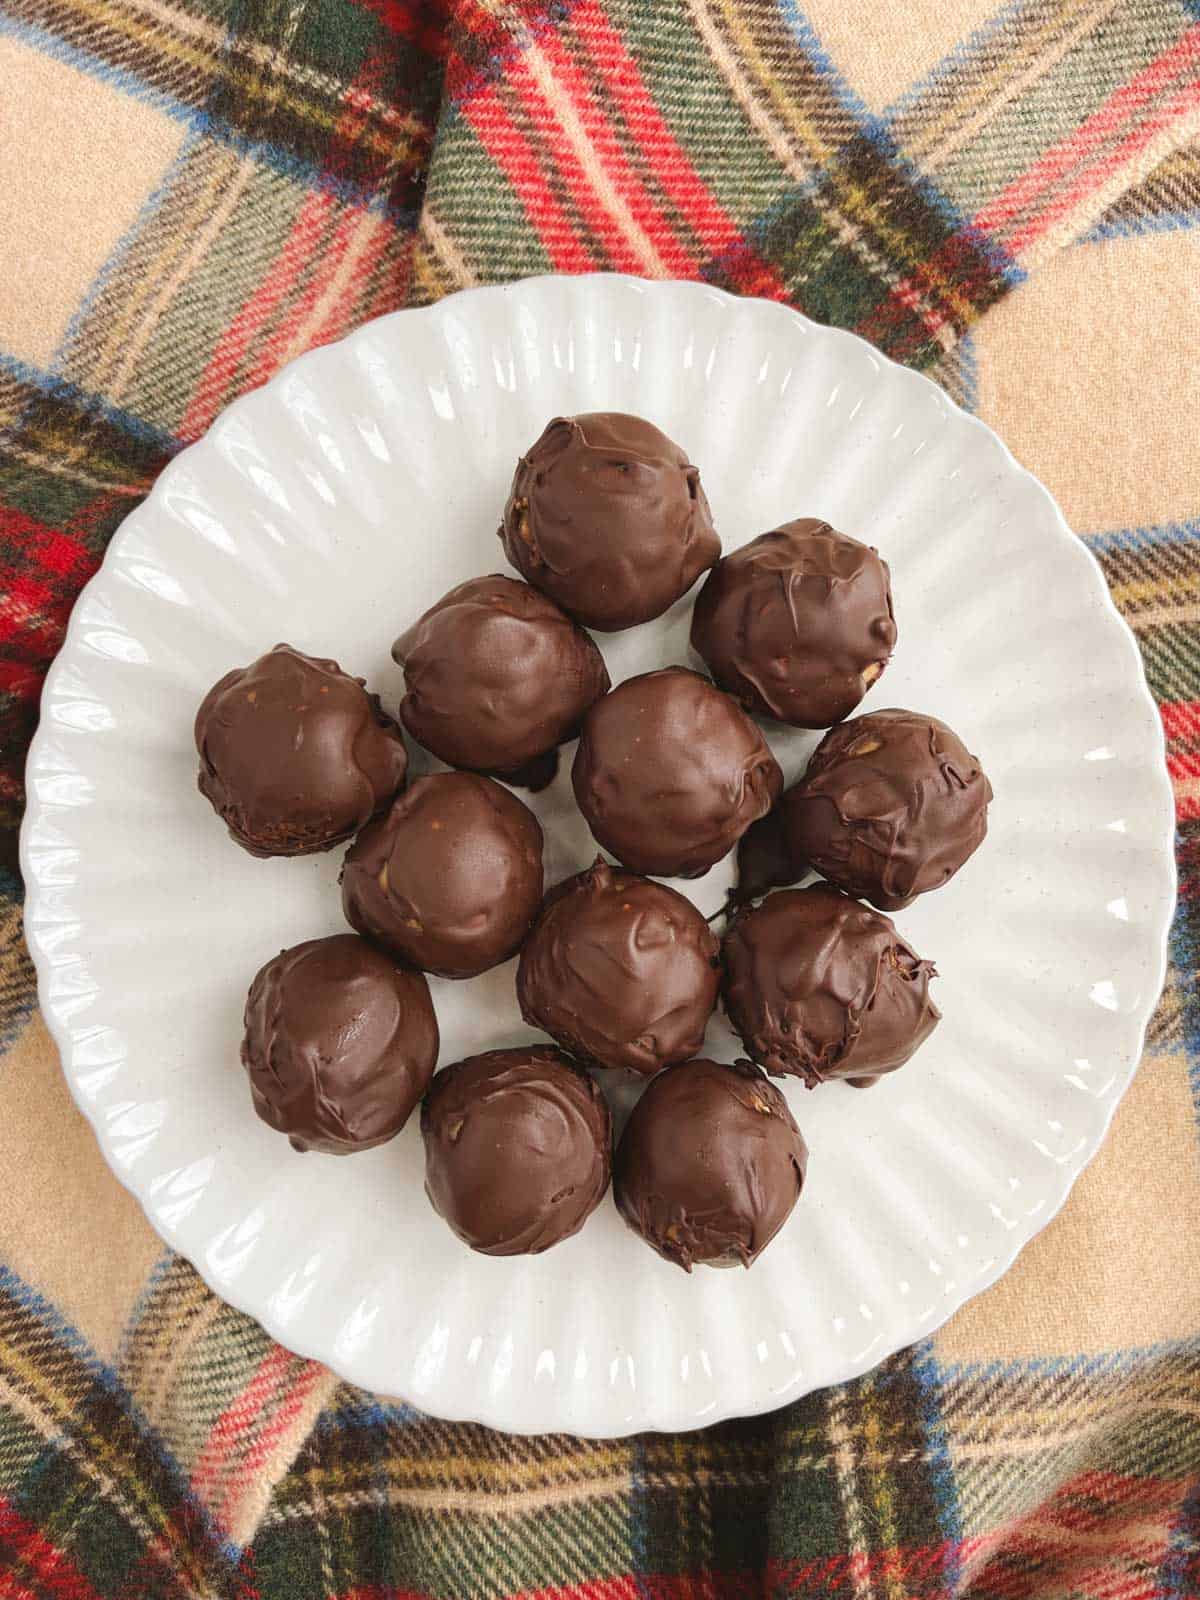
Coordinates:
(797, 624)
(819, 986)
(340, 1044)
(497, 676)
(710, 1164)
(890, 806)
(518, 1147)
(622, 972)
(295, 755)
(607, 517)
(450, 879)
(670, 772)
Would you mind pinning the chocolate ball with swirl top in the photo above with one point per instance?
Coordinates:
(450, 879)
(889, 807)
(797, 624)
(710, 1164)
(295, 755)
(518, 1149)
(819, 986)
(606, 515)
(622, 972)
(340, 1044)
(670, 772)
(496, 676)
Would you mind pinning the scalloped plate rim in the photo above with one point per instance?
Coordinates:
(656, 1419)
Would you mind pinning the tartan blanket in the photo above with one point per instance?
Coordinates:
(1004, 194)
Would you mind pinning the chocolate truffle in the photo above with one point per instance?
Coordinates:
(518, 1149)
(820, 986)
(340, 1044)
(295, 755)
(496, 676)
(890, 806)
(710, 1164)
(797, 624)
(450, 879)
(607, 517)
(670, 773)
(621, 971)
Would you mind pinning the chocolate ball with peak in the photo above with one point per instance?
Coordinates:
(340, 1044)
(518, 1149)
(889, 807)
(710, 1164)
(496, 676)
(622, 972)
(450, 879)
(606, 515)
(295, 755)
(819, 986)
(670, 772)
(798, 624)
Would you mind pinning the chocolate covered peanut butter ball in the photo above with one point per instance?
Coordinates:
(497, 676)
(621, 971)
(518, 1149)
(797, 624)
(340, 1044)
(889, 807)
(450, 879)
(710, 1164)
(819, 986)
(295, 755)
(670, 772)
(606, 515)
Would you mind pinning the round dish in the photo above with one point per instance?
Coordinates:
(390, 454)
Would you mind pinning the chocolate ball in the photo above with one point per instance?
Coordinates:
(295, 755)
(496, 676)
(670, 773)
(710, 1164)
(607, 517)
(340, 1044)
(518, 1149)
(890, 806)
(819, 986)
(797, 624)
(621, 971)
(450, 879)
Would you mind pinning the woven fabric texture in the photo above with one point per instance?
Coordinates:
(1006, 195)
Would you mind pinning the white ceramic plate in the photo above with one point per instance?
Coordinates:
(333, 506)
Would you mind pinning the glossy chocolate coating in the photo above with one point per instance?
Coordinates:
(819, 986)
(763, 860)
(450, 879)
(295, 755)
(607, 517)
(797, 624)
(497, 675)
(670, 773)
(340, 1044)
(890, 806)
(518, 1149)
(710, 1164)
(622, 972)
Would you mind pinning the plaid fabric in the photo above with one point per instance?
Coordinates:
(194, 191)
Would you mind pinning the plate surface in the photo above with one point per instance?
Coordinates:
(333, 506)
